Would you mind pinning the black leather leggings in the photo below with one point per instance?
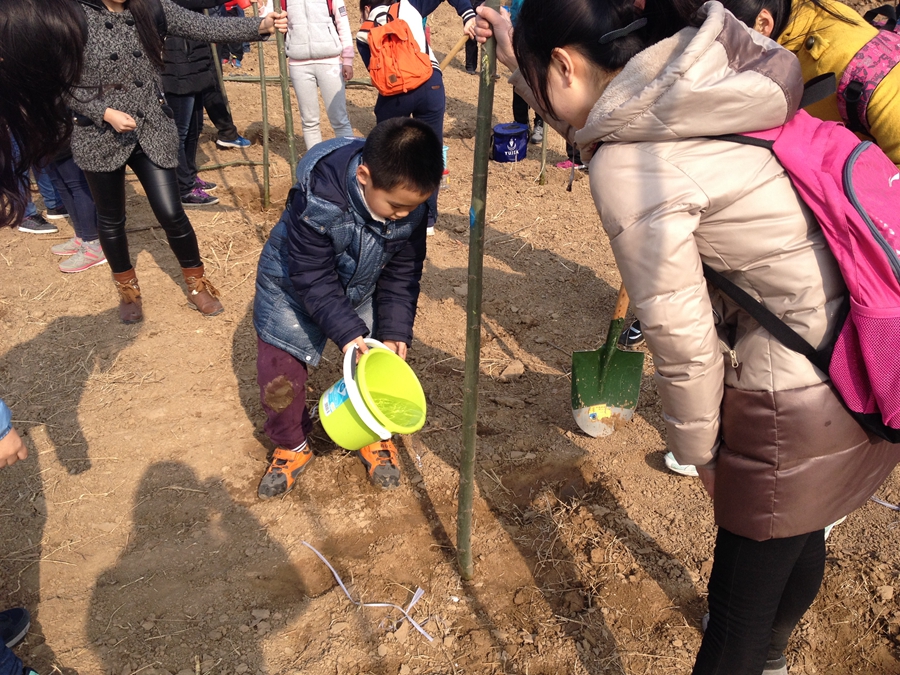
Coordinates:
(161, 186)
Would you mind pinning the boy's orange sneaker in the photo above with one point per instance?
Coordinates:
(382, 464)
(284, 469)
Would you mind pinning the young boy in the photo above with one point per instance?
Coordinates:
(345, 261)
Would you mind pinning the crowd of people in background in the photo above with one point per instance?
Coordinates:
(91, 87)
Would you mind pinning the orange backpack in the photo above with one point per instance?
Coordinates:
(397, 65)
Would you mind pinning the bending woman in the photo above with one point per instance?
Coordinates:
(775, 448)
(123, 120)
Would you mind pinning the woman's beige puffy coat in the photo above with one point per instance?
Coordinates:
(789, 458)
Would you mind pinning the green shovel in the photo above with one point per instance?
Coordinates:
(606, 382)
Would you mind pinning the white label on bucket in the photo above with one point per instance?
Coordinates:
(334, 397)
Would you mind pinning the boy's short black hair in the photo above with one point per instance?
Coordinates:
(404, 152)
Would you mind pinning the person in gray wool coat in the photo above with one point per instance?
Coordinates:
(122, 119)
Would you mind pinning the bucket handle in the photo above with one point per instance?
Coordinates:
(353, 390)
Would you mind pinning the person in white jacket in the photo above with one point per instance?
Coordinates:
(319, 47)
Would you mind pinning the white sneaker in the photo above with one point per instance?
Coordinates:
(683, 469)
(833, 525)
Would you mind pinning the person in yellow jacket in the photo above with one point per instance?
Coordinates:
(825, 35)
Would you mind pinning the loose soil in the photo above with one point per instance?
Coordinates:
(134, 535)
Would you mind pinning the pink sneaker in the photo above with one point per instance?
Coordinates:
(89, 255)
(568, 164)
(70, 247)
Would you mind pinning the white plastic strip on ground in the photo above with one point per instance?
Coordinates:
(416, 596)
(884, 503)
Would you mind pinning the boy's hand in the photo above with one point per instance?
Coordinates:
(358, 342)
(12, 449)
(399, 348)
(469, 28)
(120, 121)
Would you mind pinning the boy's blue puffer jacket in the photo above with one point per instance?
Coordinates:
(328, 259)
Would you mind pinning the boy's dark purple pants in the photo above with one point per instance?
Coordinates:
(282, 392)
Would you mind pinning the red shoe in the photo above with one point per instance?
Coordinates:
(382, 464)
(284, 469)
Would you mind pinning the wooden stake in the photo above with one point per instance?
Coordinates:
(286, 100)
(473, 304)
(264, 101)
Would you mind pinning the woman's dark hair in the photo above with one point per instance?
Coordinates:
(545, 25)
(41, 55)
(149, 19)
(368, 4)
(748, 10)
(404, 152)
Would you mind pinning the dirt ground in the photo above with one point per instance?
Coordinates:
(134, 534)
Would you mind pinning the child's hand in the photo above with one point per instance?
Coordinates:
(358, 342)
(12, 449)
(399, 348)
(347, 72)
(121, 122)
(469, 28)
(274, 21)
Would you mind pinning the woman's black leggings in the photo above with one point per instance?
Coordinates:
(161, 186)
(758, 592)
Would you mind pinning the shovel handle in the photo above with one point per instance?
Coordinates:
(457, 48)
(621, 304)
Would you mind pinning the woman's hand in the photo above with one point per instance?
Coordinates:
(399, 348)
(121, 122)
(491, 22)
(708, 477)
(273, 21)
(469, 28)
(347, 72)
(12, 449)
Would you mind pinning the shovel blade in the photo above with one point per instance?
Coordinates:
(605, 397)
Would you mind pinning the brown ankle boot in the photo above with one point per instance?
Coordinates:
(130, 310)
(201, 293)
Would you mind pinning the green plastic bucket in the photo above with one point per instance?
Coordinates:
(378, 396)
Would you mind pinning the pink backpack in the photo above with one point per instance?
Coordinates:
(854, 191)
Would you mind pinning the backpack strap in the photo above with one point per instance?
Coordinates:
(863, 74)
(786, 335)
(818, 89)
(889, 12)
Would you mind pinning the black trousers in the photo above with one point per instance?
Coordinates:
(216, 106)
(758, 592)
(161, 186)
(520, 110)
(188, 111)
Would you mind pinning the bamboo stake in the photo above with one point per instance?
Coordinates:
(542, 177)
(473, 304)
(457, 48)
(264, 100)
(286, 100)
